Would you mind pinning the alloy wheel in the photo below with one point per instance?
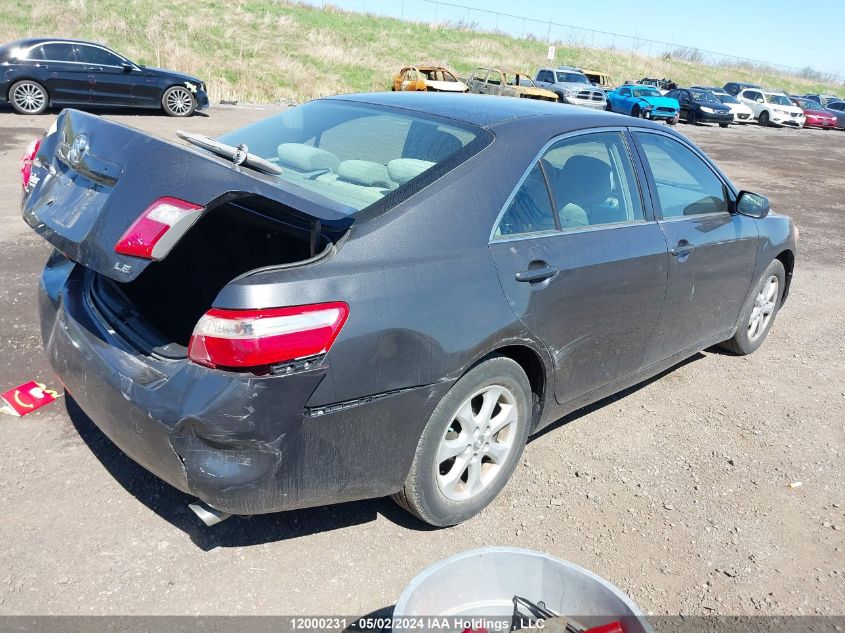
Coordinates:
(764, 307)
(477, 442)
(29, 97)
(179, 101)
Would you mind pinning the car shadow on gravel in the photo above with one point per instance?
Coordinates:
(172, 505)
(55, 110)
(614, 398)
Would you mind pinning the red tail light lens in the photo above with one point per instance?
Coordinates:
(26, 161)
(252, 338)
(153, 234)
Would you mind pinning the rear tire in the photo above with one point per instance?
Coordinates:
(28, 97)
(692, 118)
(178, 101)
(723, 124)
(471, 444)
(763, 119)
(759, 311)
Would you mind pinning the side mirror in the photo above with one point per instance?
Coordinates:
(127, 67)
(752, 204)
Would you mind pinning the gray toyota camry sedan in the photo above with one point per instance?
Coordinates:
(383, 294)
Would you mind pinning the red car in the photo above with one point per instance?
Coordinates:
(816, 115)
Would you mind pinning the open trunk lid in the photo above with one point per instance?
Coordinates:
(93, 178)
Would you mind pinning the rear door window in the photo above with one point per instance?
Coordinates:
(686, 185)
(53, 52)
(580, 182)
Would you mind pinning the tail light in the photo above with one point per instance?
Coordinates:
(158, 228)
(240, 339)
(27, 159)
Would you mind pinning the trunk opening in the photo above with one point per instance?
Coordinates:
(157, 311)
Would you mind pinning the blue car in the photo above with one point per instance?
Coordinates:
(644, 102)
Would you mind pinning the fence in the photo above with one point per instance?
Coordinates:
(462, 16)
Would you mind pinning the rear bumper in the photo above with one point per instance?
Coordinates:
(243, 444)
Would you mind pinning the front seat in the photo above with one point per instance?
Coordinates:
(426, 142)
(582, 183)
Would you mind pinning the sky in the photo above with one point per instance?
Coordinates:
(773, 31)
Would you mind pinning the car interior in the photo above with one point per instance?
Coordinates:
(384, 157)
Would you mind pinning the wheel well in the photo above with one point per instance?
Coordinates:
(787, 258)
(534, 368)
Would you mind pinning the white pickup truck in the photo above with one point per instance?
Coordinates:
(572, 86)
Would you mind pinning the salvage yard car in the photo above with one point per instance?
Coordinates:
(571, 86)
(599, 79)
(815, 115)
(772, 108)
(701, 106)
(644, 102)
(383, 294)
(507, 83)
(37, 73)
(741, 112)
(428, 78)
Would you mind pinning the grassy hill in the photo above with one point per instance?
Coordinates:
(267, 50)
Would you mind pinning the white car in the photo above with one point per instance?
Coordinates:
(741, 112)
(772, 108)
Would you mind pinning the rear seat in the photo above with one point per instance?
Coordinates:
(305, 160)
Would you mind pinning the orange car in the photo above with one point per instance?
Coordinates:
(428, 78)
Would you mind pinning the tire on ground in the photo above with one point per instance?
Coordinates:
(742, 342)
(178, 101)
(28, 97)
(422, 494)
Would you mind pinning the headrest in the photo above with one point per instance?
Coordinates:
(366, 173)
(306, 158)
(402, 170)
(584, 180)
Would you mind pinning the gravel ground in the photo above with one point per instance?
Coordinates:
(676, 490)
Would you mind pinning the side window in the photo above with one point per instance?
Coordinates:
(479, 75)
(530, 210)
(686, 185)
(592, 181)
(494, 78)
(56, 52)
(625, 92)
(97, 56)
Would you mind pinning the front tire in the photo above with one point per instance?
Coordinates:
(759, 312)
(723, 125)
(28, 97)
(178, 101)
(692, 117)
(471, 444)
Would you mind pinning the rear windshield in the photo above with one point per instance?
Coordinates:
(358, 155)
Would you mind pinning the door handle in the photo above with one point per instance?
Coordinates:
(533, 275)
(683, 249)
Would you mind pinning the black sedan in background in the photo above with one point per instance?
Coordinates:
(385, 294)
(38, 73)
(701, 106)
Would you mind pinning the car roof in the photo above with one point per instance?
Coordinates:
(31, 41)
(488, 111)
